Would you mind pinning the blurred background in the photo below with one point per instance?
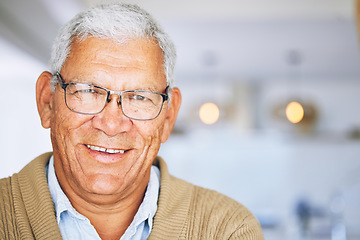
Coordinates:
(240, 65)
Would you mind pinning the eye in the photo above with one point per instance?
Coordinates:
(138, 97)
(93, 91)
(90, 90)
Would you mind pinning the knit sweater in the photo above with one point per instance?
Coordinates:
(184, 211)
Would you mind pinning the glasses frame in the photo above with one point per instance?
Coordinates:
(165, 97)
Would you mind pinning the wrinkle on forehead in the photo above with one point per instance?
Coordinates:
(125, 59)
(134, 65)
(114, 65)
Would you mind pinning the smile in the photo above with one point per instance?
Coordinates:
(105, 150)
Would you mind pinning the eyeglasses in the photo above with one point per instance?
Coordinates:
(90, 100)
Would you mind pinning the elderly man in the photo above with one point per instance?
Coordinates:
(110, 102)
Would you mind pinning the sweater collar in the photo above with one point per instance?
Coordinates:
(169, 221)
(173, 206)
(37, 203)
(145, 212)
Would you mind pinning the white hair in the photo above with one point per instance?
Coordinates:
(115, 21)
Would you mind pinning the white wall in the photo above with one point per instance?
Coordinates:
(254, 158)
(21, 136)
(272, 166)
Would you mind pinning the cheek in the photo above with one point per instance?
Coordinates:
(60, 135)
(150, 129)
(150, 134)
(66, 128)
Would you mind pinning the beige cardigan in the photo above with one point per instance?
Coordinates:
(184, 211)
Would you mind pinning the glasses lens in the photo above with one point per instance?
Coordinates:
(88, 99)
(141, 104)
(84, 98)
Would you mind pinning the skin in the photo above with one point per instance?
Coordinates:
(107, 188)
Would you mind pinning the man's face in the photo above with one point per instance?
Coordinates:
(135, 65)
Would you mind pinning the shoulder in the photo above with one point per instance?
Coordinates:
(12, 189)
(6, 194)
(27, 209)
(8, 230)
(206, 199)
(5, 190)
(187, 211)
(222, 216)
(4, 182)
(14, 186)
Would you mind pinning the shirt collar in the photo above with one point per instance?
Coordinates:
(146, 211)
(148, 207)
(60, 200)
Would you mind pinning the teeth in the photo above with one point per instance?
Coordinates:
(100, 149)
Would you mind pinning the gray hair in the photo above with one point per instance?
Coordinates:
(115, 21)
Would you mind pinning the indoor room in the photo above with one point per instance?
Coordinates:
(269, 115)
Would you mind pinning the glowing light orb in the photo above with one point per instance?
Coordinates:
(209, 113)
(294, 112)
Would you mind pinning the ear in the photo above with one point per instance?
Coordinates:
(44, 98)
(171, 114)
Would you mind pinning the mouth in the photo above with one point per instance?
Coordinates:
(105, 150)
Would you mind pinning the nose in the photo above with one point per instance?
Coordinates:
(111, 96)
(111, 119)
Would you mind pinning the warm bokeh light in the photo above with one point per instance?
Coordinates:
(294, 112)
(209, 113)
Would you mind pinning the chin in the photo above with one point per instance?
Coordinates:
(104, 185)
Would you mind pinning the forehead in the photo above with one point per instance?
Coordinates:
(105, 59)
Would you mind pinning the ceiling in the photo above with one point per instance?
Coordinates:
(235, 39)
(244, 9)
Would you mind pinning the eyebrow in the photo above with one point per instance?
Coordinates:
(90, 82)
(86, 81)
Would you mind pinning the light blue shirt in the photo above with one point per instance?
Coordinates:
(73, 225)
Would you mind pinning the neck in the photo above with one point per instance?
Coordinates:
(110, 221)
(110, 215)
